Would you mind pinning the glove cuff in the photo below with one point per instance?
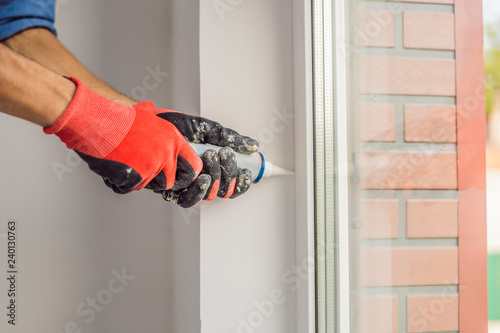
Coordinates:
(92, 124)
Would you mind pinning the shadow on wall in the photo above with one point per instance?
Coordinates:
(147, 50)
(140, 48)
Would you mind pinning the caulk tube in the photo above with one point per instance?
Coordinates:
(255, 162)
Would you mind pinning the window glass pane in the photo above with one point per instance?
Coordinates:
(408, 272)
(408, 149)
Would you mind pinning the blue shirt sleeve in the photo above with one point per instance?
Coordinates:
(19, 15)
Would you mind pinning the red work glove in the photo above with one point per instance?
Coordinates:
(129, 147)
(227, 180)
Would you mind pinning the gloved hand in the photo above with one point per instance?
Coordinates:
(129, 147)
(227, 180)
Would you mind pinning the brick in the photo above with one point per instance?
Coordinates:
(375, 28)
(407, 170)
(379, 314)
(433, 313)
(427, 123)
(447, 2)
(407, 76)
(377, 122)
(423, 30)
(409, 266)
(432, 218)
(379, 218)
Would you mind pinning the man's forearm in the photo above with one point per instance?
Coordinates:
(43, 47)
(31, 91)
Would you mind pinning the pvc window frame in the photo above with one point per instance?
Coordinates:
(333, 167)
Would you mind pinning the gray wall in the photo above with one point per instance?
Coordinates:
(73, 231)
(248, 272)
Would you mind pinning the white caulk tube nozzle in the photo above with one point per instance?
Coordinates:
(274, 170)
(255, 162)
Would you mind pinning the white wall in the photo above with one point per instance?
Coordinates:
(248, 244)
(73, 233)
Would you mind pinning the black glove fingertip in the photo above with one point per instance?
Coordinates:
(243, 183)
(229, 171)
(211, 166)
(195, 192)
(246, 145)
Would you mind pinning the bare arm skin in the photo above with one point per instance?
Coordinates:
(31, 91)
(43, 47)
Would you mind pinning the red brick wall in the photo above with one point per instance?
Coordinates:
(408, 167)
